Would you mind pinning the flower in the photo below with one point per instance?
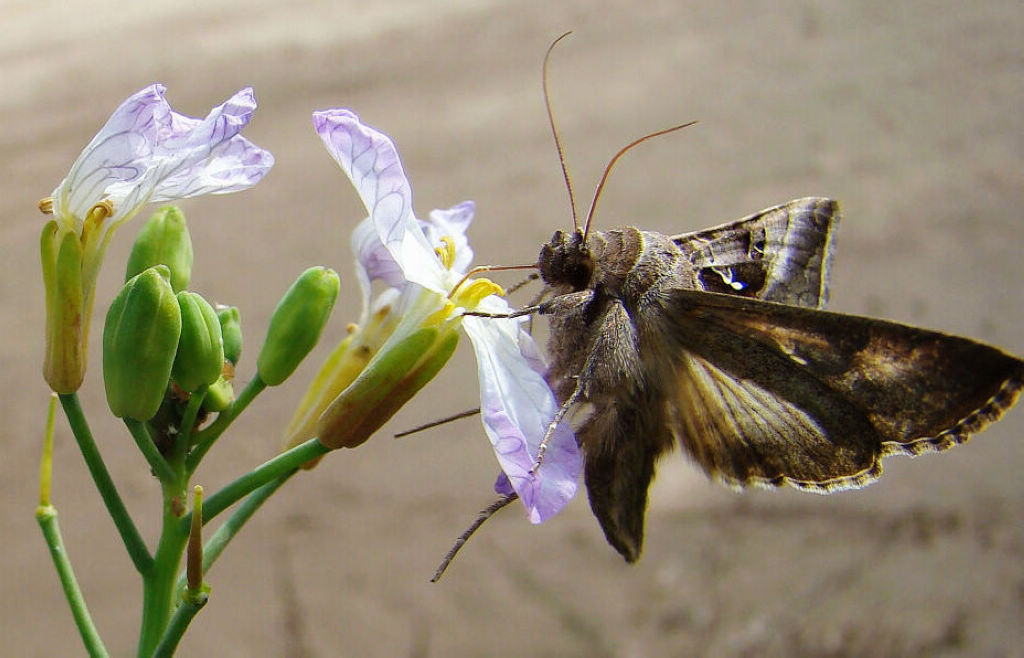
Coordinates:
(145, 153)
(424, 263)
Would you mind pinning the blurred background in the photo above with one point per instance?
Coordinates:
(910, 113)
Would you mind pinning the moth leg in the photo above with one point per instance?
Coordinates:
(518, 313)
(568, 404)
(546, 308)
(612, 355)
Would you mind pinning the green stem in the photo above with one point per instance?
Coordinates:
(207, 437)
(191, 604)
(133, 541)
(261, 475)
(46, 515)
(144, 441)
(216, 544)
(47, 518)
(158, 592)
(188, 419)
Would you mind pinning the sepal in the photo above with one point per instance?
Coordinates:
(390, 380)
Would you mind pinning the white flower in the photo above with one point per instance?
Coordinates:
(426, 261)
(146, 152)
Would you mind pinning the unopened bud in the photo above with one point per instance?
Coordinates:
(220, 394)
(231, 330)
(200, 355)
(140, 338)
(163, 240)
(296, 324)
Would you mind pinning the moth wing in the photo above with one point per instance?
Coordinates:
(781, 254)
(619, 467)
(769, 394)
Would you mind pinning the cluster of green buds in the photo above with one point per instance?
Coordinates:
(164, 344)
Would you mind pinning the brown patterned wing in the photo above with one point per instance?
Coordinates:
(781, 254)
(769, 394)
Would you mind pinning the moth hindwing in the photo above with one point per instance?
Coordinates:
(715, 341)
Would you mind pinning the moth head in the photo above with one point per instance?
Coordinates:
(566, 261)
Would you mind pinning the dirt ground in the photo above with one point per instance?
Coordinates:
(910, 113)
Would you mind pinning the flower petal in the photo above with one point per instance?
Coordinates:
(373, 261)
(371, 161)
(209, 156)
(516, 407)
(452, 223)
(147, 152)
(117, 153)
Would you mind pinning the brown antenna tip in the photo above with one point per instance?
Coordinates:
(615, 158)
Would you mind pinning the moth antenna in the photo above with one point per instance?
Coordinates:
(554, 133)
(611, 163)
(440, 421)
(484, 514)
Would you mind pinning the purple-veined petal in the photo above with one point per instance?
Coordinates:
(147, 152)
(232, 166)
(210, 156)
(516, 407)
(371, 161)
(118, 153)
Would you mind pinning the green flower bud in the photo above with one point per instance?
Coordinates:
(231, 330)
(296, 324)
(390, 380)
(163, 240)
(140, 338)
(220, 394)
(200, 354)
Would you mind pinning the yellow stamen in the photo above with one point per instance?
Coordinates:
(46, 205)
(439, 316)
(446, 252)
(471, 294)
(94, 218)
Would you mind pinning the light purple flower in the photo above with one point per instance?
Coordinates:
(145, 153)
(426, 261)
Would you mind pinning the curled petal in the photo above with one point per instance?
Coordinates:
(371, 161)
(231, 166)
(147, 152)
(516, 407)
(373, 261)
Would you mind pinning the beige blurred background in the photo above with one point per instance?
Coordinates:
(910, 113)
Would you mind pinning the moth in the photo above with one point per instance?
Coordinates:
(716, 341)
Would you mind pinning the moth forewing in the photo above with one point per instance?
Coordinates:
(781, 254)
